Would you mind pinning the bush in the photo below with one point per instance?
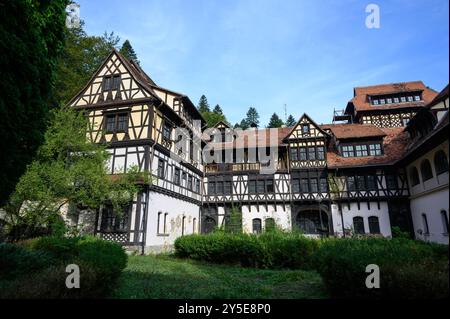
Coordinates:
(42, 262)
(273, 249)
(408, 268)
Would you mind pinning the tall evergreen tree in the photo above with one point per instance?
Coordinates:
(275, 121)
(31, 39)
(290, 121)
(203, 105)
(217, 109)
(252, 117)
(244, 124)
(127, 51)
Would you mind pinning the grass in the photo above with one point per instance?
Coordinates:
(169, 277)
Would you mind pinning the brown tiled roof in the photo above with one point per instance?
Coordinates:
(346, 131)
(258, 137)
(440, 97)
(394, 144)
(361, 100)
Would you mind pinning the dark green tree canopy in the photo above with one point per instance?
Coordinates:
(31, 40)
(127, 51)
(203, 105)
(290, 121)
(275, 121)
(252, 117)
(217, 109)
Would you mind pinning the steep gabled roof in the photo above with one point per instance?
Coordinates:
(292, 129)
(353, 131)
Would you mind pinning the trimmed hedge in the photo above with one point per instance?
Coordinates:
(273, 249)
(40, 267)
(408, 268)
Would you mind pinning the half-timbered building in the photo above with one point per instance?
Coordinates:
(359, 176)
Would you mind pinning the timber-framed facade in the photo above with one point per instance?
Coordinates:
(325, 180)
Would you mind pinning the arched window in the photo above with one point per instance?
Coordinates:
(425, 169)
(358, 225)
(183, 225)
(414, 176)
(194, 225)
(440, 162)
(374, 225)
(426, 230)
(444, 221)
(257, 227)
(270, 224)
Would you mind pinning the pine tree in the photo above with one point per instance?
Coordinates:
(128, 52)
(252, 117)
(275, 121)
(217, 109)
(203, 105)
(244, 125)
(290, 121)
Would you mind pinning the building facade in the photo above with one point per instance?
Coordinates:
(349, 177)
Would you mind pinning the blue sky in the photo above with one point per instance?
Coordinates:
(266, 53)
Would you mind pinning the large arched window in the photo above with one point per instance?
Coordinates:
(374, 225)
(257, 227)
(358, 225)
(440, 162)
(414, 176)
(425, 170)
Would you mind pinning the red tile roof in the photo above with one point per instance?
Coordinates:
(394, 144)
(361, 100)
(346, 131)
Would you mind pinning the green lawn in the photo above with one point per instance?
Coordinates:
(168, 277)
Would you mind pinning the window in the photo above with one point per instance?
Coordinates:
(320, 153)
(161, 168)
(194, 225)
(311, 153)
(396, 100)
(391, 182)
(403, 98)
(347, 151)
(360, 183)
(375, 102)
(426, 230)
(410, 98)
(375, 149)
(414, 176)
(176, 178)
(166, 131)
(304, 185)
(252, 187)
(425, 168)
(260, 187)
(303, 154)
(389, 101)
(323, 185)
(305, 128)
(189, 182)
(361, 150)
(444, 221)
(269, 224)
(219, 188)
(228, 188)
(158, 225)
(111, 82)
(417, 98)
(269, 186)
(183, 224)
(296, 185)
(372, 183)
(114, 222)
(294, 154)
(257, 226)
(358, 225)
(440, 162)
(211, 188)
(197, 185)
(351, 184)
(313, 184)
(116, 122)
(382, 101)
(374, 225)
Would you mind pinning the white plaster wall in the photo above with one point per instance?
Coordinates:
(431, 204)
(175, 209)
(282, 216)
(382, 213)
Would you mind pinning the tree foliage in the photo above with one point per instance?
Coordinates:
(67, 169)
(290, 121)
(31, 39)
(217, 109)
(252, 117)
(128, 52)
(211, 117)
(203, 105)
(275, 121)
